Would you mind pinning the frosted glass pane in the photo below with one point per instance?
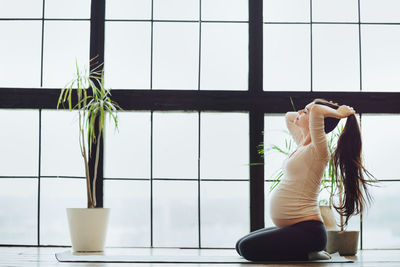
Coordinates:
(19, 142)
(379, 11)
(380, 58)
(129, 222)
(176, 9)
(287, 10)
(64, 44)
(66, 193)
(381, 222)
(224, 140)
(275, 133)
(176, 55)
(381, 165)
(61, 155)
(224, 56)
(77, 9)
(127, 55)
(287, 58)
(128, 9)
(20, 46)
(127, 151)
(230, 10)
(225, 213)
(338, 10)
(12, 9)
(336, 63)
(175, 214)
(175, 144)
(18, 211)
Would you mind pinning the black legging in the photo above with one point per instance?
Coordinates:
(292, 242)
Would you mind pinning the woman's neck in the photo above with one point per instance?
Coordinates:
(307, 139)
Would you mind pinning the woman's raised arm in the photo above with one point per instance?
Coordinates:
(317, 127)
(293, 128)
(317, 130)
(342, 112)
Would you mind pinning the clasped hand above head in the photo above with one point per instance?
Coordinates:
(342, 112)
(345, 111)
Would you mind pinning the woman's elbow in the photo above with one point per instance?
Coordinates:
(290, 115)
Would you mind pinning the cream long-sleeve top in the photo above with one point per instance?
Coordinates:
(296, 196)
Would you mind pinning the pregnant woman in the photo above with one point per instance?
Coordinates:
(300, 233)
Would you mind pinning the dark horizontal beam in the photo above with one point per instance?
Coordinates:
(268, 102)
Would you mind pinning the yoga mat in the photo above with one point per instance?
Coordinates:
(68, 256)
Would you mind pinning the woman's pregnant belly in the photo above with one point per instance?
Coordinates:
(287, 208)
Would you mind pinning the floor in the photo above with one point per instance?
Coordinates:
(44, 257)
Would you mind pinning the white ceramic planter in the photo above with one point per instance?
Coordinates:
(88, 228)
(346, 243)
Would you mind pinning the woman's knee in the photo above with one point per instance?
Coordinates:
(317, 239)
(247, 249)
(237, 247)
(251, 245)
(320, 242)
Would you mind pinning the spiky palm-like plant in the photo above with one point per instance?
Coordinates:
(93, 102)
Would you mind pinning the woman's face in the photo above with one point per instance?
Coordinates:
(302, 118)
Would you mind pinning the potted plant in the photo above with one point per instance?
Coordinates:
(88, 225)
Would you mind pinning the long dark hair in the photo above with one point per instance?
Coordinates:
(348, 168)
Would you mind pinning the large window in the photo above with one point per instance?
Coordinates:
(178, 174)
